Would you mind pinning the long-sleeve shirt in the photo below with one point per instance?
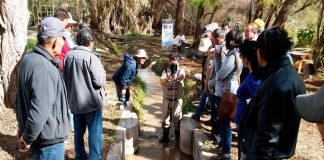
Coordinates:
(246, 90)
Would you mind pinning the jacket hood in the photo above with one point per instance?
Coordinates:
(264, 72)
(128, 58)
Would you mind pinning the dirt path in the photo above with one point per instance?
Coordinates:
(149, 147)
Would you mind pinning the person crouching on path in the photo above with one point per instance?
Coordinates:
(127, 72)
(85, 78)
(41, 104)
(172, 81)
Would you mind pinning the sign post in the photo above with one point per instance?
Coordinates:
(167, 34)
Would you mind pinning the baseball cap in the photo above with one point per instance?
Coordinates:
(70, 19)
(259, 23)
(51, 26)
(311, 106)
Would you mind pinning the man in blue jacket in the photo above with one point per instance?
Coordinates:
(41, 104)
(125, 75)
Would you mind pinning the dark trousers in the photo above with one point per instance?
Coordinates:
(215, 132)
(122, 98)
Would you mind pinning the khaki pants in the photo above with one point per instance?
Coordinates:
(172, 113)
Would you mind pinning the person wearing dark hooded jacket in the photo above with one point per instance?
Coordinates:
(270, 123)
(125, 75)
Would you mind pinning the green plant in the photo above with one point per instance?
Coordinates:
(306, 37)
(160, 65)
(30, 44)
(189, 96)
(138, 97)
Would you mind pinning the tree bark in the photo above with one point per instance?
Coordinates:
(213, 13)
(200, 14)
(283, 13)
(13, 37)
(319, 51)
(94, 15)
(179, 23)
(259, 10)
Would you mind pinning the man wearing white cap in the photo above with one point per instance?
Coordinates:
(311, 108)
(69, 43)
(125, 75)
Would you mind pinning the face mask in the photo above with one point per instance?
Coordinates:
(173, 68)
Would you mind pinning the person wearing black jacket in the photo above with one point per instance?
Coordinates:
(41, 104)
(269, 126)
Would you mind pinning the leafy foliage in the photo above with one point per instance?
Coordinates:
(306, 37)
(138, 97)
(30, 44)
(189, 96)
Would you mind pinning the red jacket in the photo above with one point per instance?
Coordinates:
(60, 58)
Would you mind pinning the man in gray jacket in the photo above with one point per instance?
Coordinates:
(85, 78)
(41, 104)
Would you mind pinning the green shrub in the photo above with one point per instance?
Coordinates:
(160, 65)
(306, 37)
(190, 95)
(30, 44)
(138, 97)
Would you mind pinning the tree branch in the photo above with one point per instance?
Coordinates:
(305, 6)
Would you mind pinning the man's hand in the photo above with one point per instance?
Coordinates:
(24, 147)
(123, 91)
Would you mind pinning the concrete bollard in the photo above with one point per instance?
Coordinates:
(129, 123)
(201, 152)
(187, 127)
(115, 152)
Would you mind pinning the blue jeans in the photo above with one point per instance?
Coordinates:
(94, 122)
(226, 136)
(202, 104)
(216, 126)
(52, 152)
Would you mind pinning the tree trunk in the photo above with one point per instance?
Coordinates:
(94, 15)
(319, 23)
(250, 12)
(270, 15)
(200, 14)
(213, 13)
(179, 23)
(319, 51)
(259, 10)
(283, 13)
(13, 37)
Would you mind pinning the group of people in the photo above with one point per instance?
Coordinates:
(57, 77)
(62, 81)
(255, 66)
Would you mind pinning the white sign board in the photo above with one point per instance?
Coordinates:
(167, 34)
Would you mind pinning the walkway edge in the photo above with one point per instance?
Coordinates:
(127, 134)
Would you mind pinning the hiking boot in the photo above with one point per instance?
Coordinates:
(177, 134)
(165, 137)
